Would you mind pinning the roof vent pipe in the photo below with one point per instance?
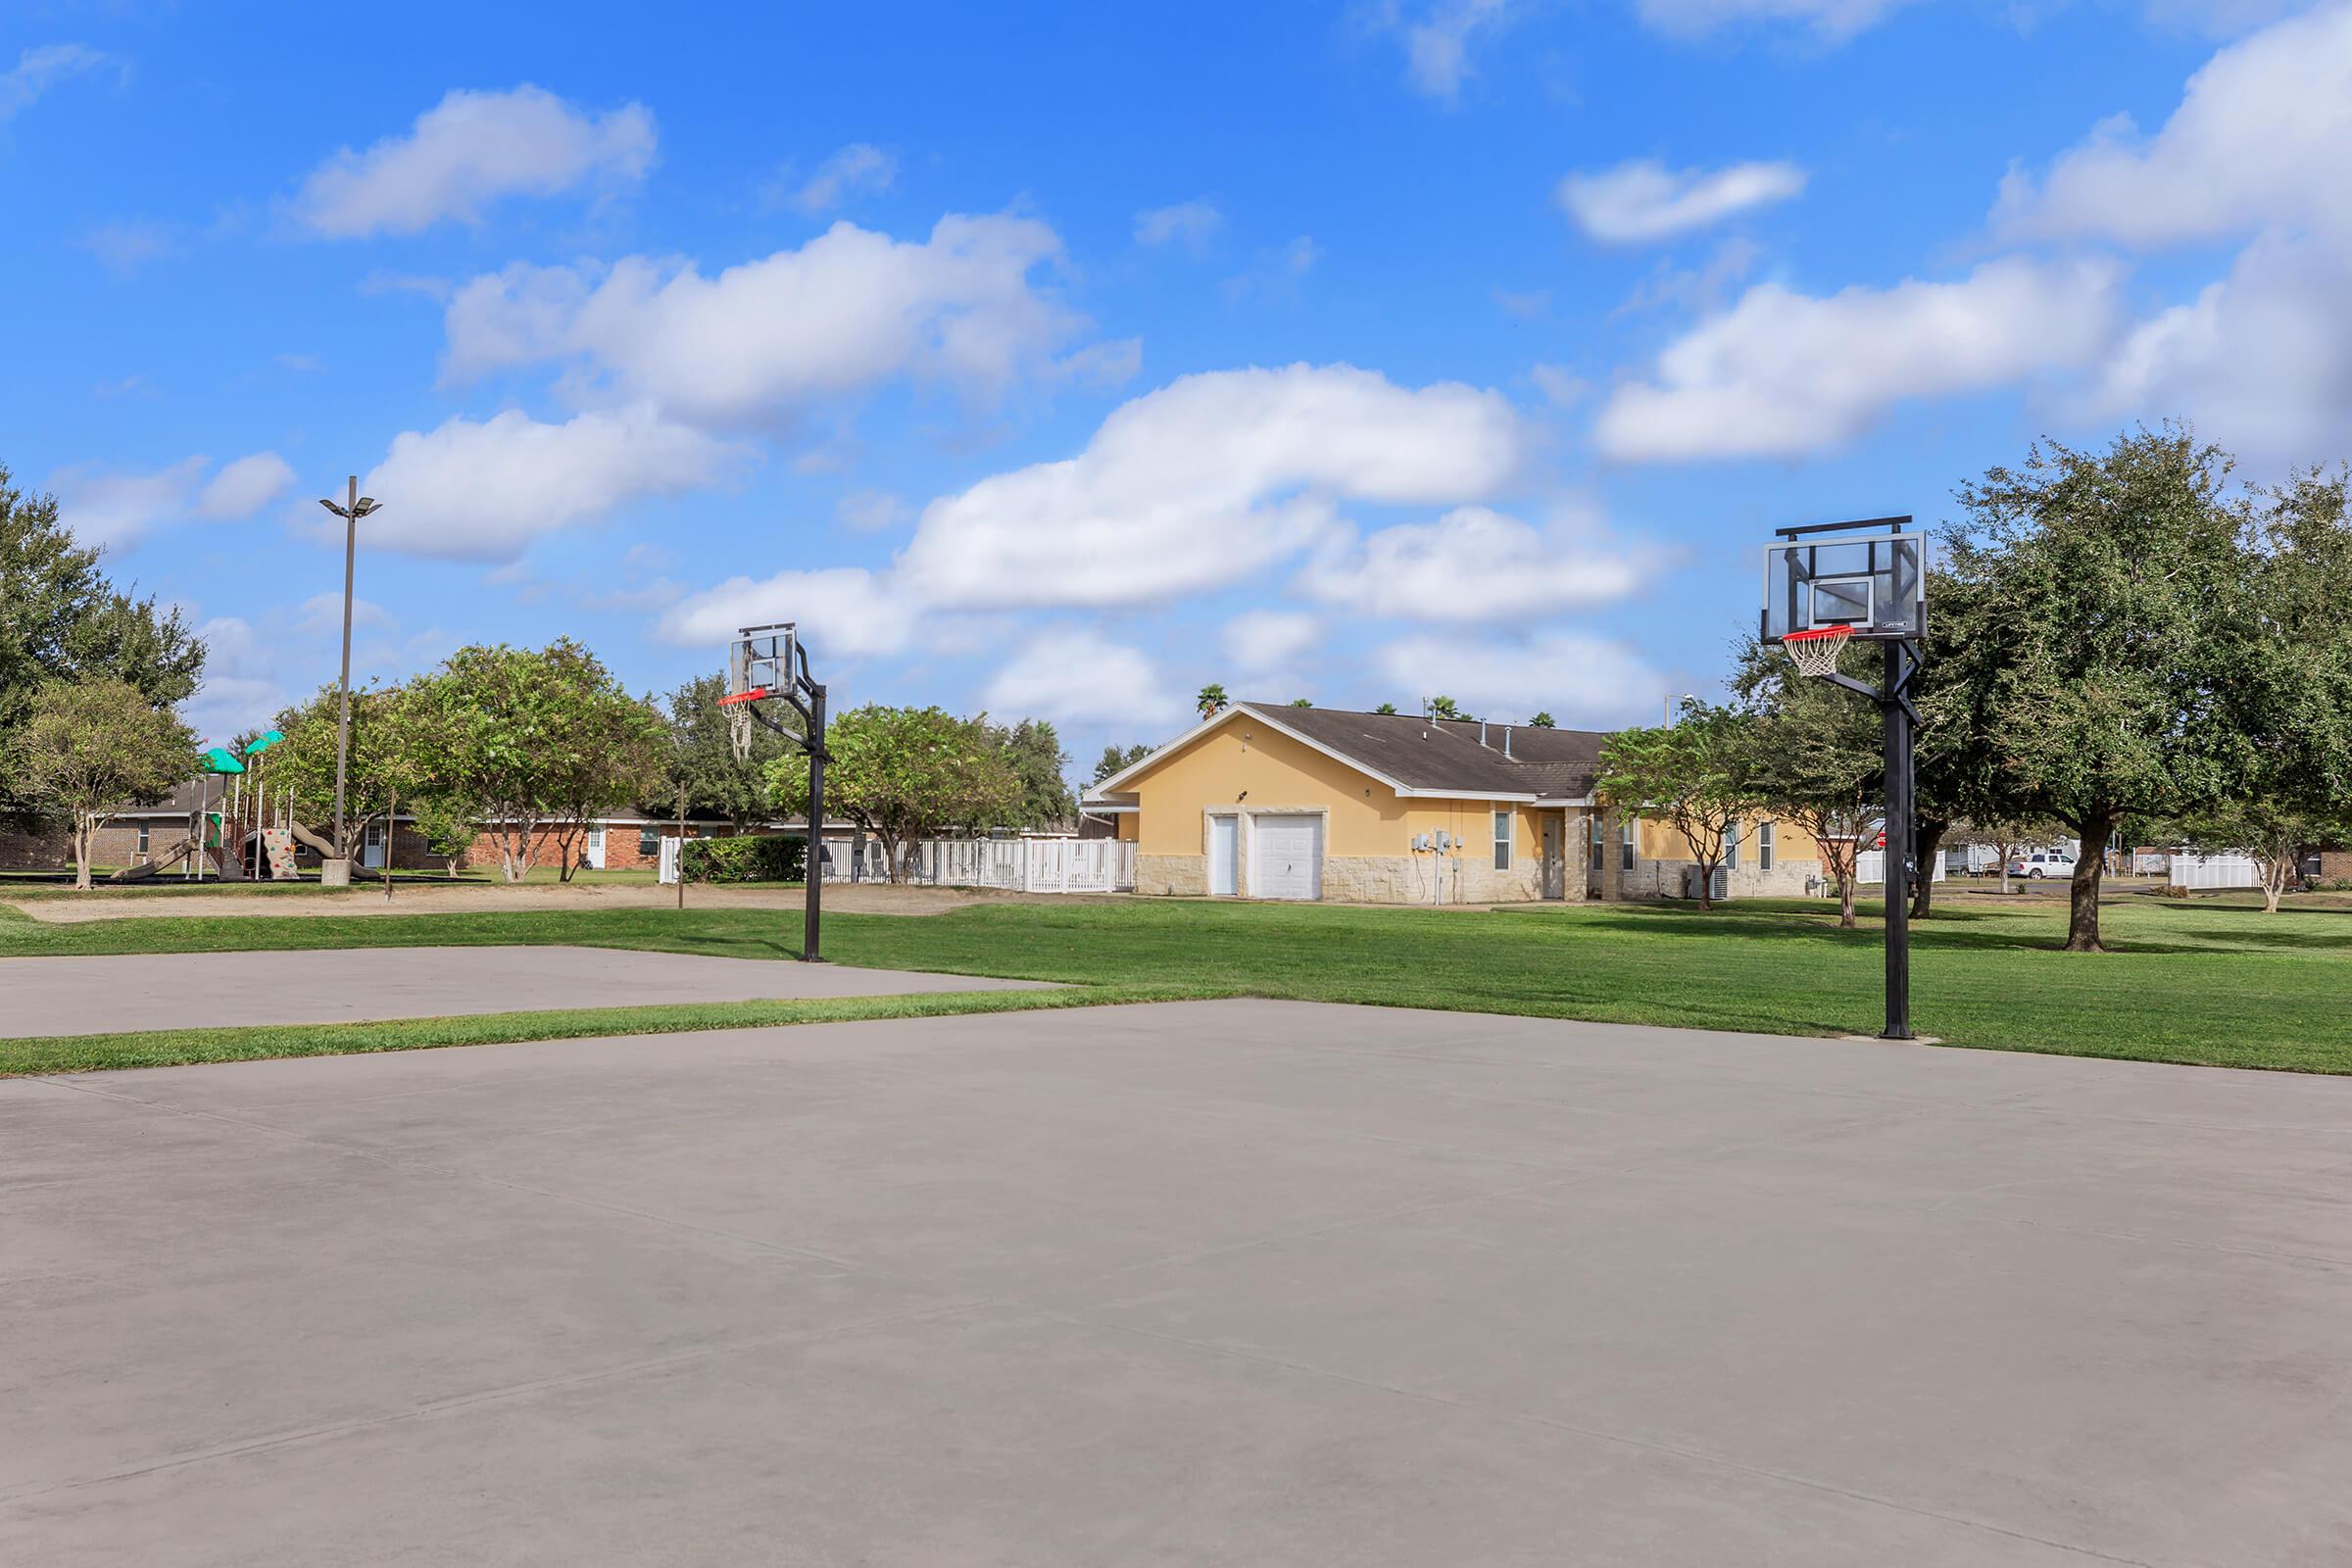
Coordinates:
(1481, 732)
(1506, 740)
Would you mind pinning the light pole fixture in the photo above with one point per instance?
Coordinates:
(354, 507)
(1669, 701)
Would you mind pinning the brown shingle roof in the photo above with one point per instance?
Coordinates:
(1442, 754)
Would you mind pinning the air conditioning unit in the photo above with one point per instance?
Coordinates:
(1720, 890)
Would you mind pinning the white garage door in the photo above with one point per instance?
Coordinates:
(1287, 857)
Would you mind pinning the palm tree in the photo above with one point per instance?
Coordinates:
(1542, 720)
(1386, 708)
(1212, 699)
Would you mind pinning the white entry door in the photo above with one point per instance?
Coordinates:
(596, 848)
(1224, 855)
(1288, 859)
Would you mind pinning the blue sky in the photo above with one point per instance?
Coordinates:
(1059, 363)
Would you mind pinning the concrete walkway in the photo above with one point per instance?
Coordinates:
(220, 989)
(1234, 1282)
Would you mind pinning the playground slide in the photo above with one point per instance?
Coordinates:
(326, 851)
(169, 857)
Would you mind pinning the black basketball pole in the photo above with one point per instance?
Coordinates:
(1894, 705)
(812, 915)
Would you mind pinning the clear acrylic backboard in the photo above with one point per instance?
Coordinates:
(761, 660)
(1873, 584)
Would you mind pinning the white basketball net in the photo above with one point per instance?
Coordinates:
(1815, 652)
(739, 730)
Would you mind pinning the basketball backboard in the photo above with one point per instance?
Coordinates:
(1873, 584)
(761, 660)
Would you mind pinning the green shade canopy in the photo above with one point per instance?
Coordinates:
(269, 739)
(219, 760)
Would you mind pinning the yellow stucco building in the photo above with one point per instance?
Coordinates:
(1276, 801)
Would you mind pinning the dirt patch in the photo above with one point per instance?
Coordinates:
(861, 898)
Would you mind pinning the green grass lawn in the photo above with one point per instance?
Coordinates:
(2201, 982)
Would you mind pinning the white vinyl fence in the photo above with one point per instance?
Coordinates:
(1017, 866)
(1870, 866)
(1026, 866)
(2191, 871)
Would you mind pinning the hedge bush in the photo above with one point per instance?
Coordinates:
(767, 858)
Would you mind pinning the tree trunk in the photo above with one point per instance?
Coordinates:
(1845, 899)
(1926, 844)
(2082, 911)
(81, 856)
(1706, 886)
(2004, 850)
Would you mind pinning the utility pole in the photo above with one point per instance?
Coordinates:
(354, 507)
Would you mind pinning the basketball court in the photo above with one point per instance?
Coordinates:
(116, 992)
(1233, 1282)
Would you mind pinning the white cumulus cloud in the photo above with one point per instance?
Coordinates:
(2260, 361)
(1782, 372)
(855, 167)
(1831, 21)
(40, 67)
(468, 151)
(116, 510)
(1072, 675)
(1192, 224)
(846, 612)
(1585, 682)
(2261, 136)
(1439, 39)
(244, 487)
(482, 490)
(1263, 641)
(1473, 565)
(761, 339)
(1207, 479)
(1643, 200)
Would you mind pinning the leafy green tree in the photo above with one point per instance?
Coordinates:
(1116, 760)
(1695, 774)
(1815, 763)
(61, 620)
(1034, 751)
(1386, 708)
(303, 765)
(1445, 708)
(1542, 720)
(537, 742)
(901, 773)
(1303, 702)
(446, 826)
(702, 757)
(87, 748)
(2117, 582)
(1211, 700)
(2287, 708)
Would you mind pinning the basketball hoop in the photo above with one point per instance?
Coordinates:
(1814, 650)
(738, 707)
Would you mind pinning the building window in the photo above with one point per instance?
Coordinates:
(143, 832)
(1730, 847)
(1763, 845)
(1600, 844)
(649, 843)
(1625, 844)
(1502, 841)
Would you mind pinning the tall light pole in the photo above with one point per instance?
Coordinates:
(354, 507)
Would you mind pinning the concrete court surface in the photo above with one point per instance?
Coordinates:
(110, 993)
(1231, 1283)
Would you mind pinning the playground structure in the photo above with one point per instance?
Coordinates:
(248, 833)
